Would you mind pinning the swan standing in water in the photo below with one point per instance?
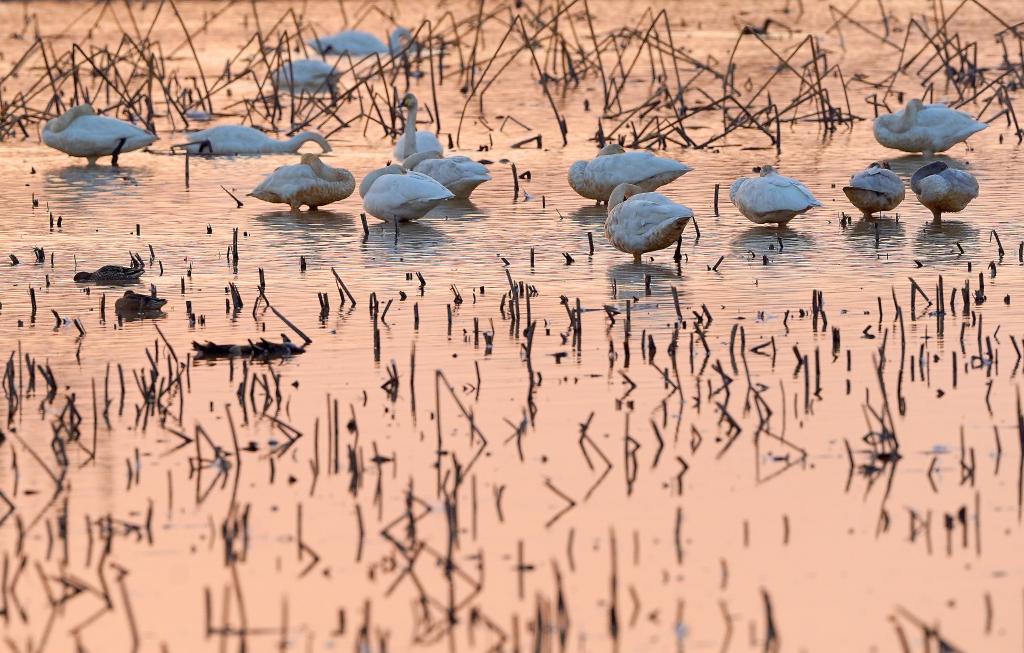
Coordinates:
(459, 174)
(80, 132)
(613, 165)
(770, 197)
(307, 76)
(943, 189)
(393, 194)
(360, 44)
(412, 141)
(875, 189)
(925, 128)
(309, 182)
(639, 222)
(239, 139)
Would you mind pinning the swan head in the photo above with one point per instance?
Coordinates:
(914, 106)
(409, 102)
(400, 39)
(64, 121)
(367, 183)
(924, 172)
(765, 170)
(578, 177)
(305, 137)
(622, 193)
(884, 165)
(324, 171)
(411, 162)
(611, 148)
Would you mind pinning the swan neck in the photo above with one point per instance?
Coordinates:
(295, 142)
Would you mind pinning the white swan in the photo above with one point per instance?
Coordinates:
(394, 194)
(309, 182)
(360, 44)
(770, 197)
(239, 139)
(307, 76)
(925, 128)
(943, 189)
(80, 132)
(459, 174)
(875, 189)
(412, 141)
(597, 178)
(640, 222)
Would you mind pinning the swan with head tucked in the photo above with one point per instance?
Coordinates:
(80, 132)
(239, 139)
(394, 194)
(943, 189)
(459, 174)
(358, 43)
(925, 128)
(639, 222)
(309, 76)
(309, 182)
(875, 189)
(770, 197)
(613, 165)
(412, 141)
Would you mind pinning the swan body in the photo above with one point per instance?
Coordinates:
(925, 128)
(943, 189)
(307, 76)
(640, 222)
(597, 178)
(771, 197)
(459, 174)
(239, 139)
(412, 141)
(395, 194)
(80, 132)
(360, 44)
(309, 182)
(875, 189)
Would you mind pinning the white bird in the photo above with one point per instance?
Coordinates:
(943, 189)
(771, 197)
(393, 194)
(239, 139)
(459, 174)
(80, 132)
(875, 189)
(412, 141)
(640, 222)
(309, 182)
(613, 165)
(360, 44)
(307, 76)
(925, 128)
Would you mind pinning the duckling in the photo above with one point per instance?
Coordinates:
(875, 189)
(640, 222)
(133, 303)
(112, 274)
(943, 189)
(771, 197)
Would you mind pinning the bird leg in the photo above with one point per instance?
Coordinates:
(636, 258)
(206, 146)
(117, 151)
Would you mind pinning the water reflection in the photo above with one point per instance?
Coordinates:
(875, 236)
(793, 244)
(935, 240)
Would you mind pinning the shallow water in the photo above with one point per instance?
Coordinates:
(433, 519)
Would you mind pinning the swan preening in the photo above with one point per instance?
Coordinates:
(875, 189)
(459, 174)
(412, 141)
(394, 194)
(613, 165)
(770, 197)
(943, 189)
(309, 182)
(308, 76)
(80, 132)
(639, 222)
(239, 139)
(925, 128)
(360, 44)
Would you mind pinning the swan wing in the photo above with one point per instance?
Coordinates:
(633, 168)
